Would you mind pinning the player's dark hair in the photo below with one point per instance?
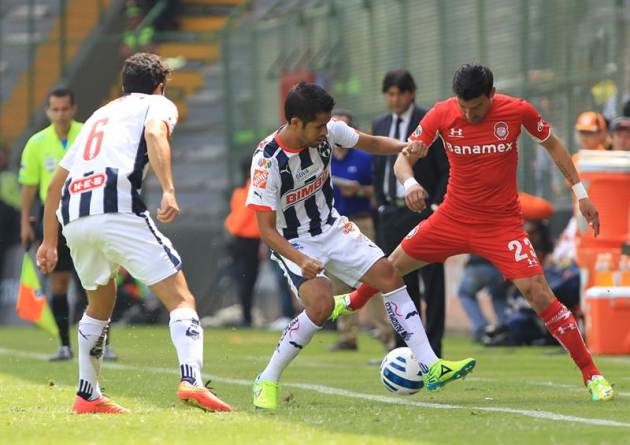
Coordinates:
(626, 108)
(401, 79)
(472, 81)
(61, 92)
(305, 101)
(143, 72)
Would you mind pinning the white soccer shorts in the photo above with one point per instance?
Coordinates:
(343, 250)
(99, 244)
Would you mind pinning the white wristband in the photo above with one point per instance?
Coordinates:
(579, 191)
(409, 182)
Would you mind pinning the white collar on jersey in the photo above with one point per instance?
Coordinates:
(406, 116)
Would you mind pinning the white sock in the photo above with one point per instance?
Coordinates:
(296, 335)
(92, 334)
(406, 322)
(187, 336)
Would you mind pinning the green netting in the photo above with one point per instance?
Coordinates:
(566, 56)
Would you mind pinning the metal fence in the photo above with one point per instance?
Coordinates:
(38, 42)
(565, 56)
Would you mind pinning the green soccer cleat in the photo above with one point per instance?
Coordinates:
(599, 388)
(341, 307)
(444, 371)
(265, 394)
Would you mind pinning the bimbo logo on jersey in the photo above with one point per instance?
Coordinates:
(300, 194)
(87, 183)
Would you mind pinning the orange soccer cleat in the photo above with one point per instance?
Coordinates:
(101, 405)
(201, 397)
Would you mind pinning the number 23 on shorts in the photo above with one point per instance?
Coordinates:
(523, 251)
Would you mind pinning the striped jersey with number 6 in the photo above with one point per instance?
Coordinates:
(108, 159)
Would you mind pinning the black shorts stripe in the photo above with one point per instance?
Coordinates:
(110, 194)
(176, 262)
(296, 279)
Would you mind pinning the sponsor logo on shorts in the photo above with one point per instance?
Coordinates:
(88, 183)
(348, 227)
(297, 246)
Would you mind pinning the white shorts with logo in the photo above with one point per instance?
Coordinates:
(99, 244)
(343, 250)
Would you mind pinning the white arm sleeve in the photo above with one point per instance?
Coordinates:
(341, 134)
(164, 110)
(264, 190)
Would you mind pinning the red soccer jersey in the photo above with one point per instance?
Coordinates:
(483, 156)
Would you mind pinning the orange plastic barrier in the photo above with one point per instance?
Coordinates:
(607, 312)
(606, 176)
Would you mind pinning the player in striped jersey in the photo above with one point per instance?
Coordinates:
(95, 193)
(292, 195)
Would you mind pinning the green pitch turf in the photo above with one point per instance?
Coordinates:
(515, 396)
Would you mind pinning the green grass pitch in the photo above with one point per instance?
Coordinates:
(515, 396)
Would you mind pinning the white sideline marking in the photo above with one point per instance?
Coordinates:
(545, 415)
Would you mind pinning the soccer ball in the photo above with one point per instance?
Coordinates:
(400, 372)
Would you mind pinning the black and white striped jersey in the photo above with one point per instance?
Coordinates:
(108, 160)
(296, 184)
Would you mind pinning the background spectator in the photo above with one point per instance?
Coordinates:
(620, 129)
(592, 131)
(395, 220)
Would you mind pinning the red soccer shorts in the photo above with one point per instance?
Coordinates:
(505, 244)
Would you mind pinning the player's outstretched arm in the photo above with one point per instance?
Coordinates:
(562, 159)
(380, 145)
(47, 252)
(159, 150)
(267, 225)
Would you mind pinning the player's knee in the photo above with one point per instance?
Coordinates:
(320, 312)
(389, 278)
(536, 292)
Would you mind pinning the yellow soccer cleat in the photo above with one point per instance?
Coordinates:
(599, 388)
(265, 394)
(341, 307)
(445, 371)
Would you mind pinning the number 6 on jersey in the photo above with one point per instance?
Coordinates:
(95, 139)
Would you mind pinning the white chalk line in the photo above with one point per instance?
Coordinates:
(544, 415)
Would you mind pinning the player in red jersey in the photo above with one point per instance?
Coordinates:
(481, 213)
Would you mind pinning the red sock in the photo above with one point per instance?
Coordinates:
(562, 325)
(360, 296)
